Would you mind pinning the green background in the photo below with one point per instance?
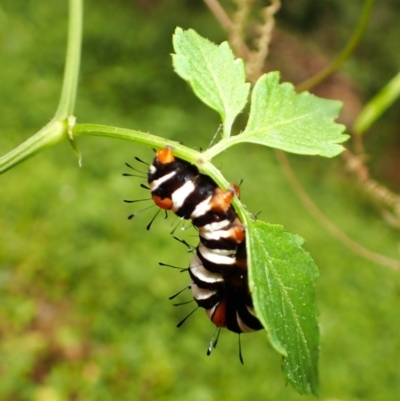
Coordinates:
(84, 310)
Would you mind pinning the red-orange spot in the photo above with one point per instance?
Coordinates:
(238, 233)
(165, 203)
(219, 315)
(221, 200)
(241, 264)
(165, 156)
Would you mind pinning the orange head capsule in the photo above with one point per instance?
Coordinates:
(165, 156)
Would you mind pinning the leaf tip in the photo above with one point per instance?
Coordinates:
(178, 31)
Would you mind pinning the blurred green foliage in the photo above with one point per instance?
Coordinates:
(84, 311)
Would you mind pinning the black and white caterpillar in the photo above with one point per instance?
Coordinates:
(218, 269)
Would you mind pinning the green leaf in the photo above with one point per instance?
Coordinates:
(281, 275)
(298, 123)
(214, 74)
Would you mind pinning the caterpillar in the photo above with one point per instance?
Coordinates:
(218, 269)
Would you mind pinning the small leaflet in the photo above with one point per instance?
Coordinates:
(213, 73)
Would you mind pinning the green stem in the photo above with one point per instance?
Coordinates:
(139, 137)
(51, 134)
(378, 105)
(222, 145)
(71, 73)
(58, 129)
(344, 55)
